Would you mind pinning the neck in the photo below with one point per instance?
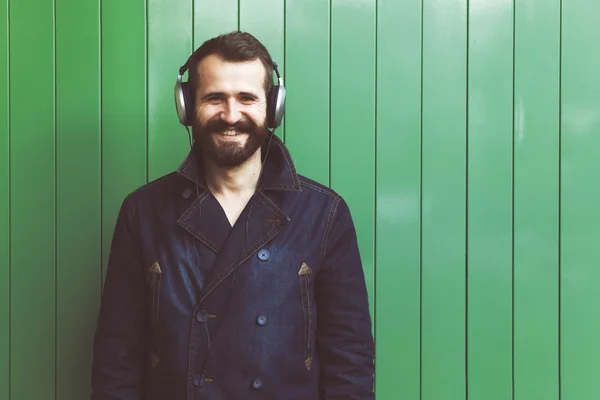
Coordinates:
(241, 180)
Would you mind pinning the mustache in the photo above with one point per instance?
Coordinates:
(218, 126)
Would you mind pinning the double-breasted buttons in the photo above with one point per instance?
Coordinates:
(187, 193)
(257, 383)
(263, 254)
(262, 319)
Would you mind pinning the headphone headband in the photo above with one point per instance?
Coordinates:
(185, 67)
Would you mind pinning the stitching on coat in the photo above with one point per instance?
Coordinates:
(328, 230)
(267, 201)
(227, 271)
(320, 190)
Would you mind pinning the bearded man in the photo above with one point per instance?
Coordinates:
(233, 277)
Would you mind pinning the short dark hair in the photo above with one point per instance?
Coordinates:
(234, 46)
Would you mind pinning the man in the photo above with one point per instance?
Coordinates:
(233, 277)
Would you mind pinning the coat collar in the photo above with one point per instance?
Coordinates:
(279, 172)
(258, 224)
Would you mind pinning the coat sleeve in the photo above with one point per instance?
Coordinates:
(119, 356)
(344, 338)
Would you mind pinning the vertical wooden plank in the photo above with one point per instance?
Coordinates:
(307, 81)
(398, 199)
(78, 192)
(33, 177)
(213, 18)
(169, 46)
(4, 206)
(123, 108)
(489, 169)
(353, 32)
(536, 147)
(443, 200)
(265, 20)
(580, 172)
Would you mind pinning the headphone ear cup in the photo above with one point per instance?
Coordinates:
(276, 106)
(179, 101)
(271, 101)
(189, 102)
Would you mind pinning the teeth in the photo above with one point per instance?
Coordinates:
(230, 133)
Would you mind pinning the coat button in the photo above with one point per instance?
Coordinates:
(199, 381)
(262, 319)
(257, 383)
(187, 193)
(202, 316)
(263, 254)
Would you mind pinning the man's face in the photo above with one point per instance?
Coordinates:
(230, 110)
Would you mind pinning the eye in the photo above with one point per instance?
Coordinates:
(247, 99)
(214, 99)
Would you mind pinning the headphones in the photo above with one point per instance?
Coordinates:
(184, 100)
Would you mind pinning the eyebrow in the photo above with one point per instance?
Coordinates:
(249, 94)
(221, 95)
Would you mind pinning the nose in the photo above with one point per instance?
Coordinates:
(231, 114)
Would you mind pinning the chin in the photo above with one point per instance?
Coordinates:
(230, 143)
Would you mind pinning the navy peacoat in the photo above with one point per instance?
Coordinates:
(274, 307)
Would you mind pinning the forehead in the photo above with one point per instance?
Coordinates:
(215, 74)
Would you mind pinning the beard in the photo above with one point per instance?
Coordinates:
(228, 154)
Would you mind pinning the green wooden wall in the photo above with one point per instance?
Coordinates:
(465, 136)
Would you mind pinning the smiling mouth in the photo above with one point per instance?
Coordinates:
(231, 133)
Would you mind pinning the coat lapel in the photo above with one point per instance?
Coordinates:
(260, 222)
(203, 220)
(257, 225)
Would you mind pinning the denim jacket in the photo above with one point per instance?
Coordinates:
(274, 307)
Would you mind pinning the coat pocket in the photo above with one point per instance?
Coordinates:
(154, 282)
(305, 277)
